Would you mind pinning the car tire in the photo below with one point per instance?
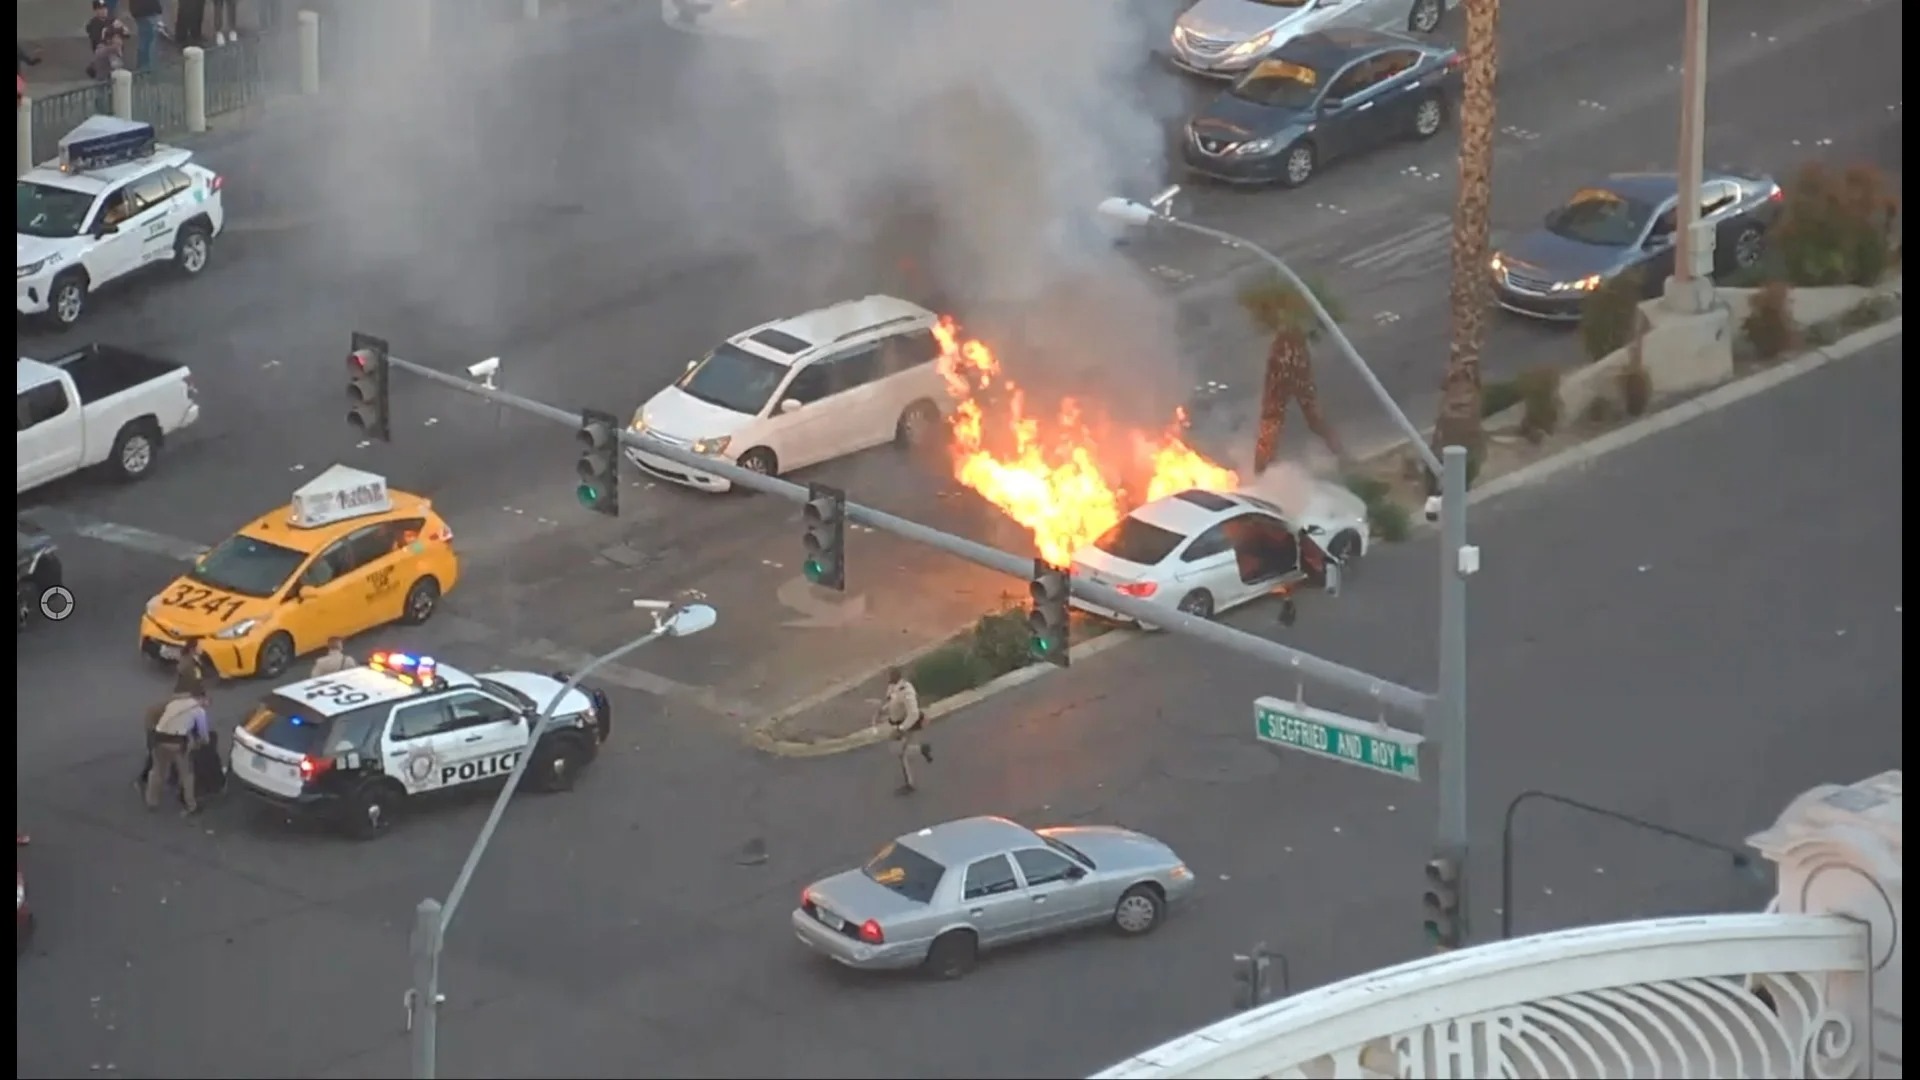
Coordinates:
(191, 250)
(1426, 16)
(276, 656)
(557, 762)
(1430, 116)
(1198, 603)
(370, 809)
(1139, 910)
(423, 599)
(135, 449)
(67, 300)
(1748, 248)
(1299, 163)
(917, 428)
(760, 460)
(953, 954)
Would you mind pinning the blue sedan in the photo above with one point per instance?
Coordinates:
(1323, 96)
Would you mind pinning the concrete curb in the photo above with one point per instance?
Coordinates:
(764, 739)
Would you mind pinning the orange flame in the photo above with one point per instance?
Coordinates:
(1056, 478)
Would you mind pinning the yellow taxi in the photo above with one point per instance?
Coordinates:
(347, 555)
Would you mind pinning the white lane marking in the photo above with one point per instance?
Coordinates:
(144, 540)
(1429, 234)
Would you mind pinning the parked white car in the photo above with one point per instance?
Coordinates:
(100, 405)
(115, 203)
(796, 392)
(1221, 39)
(1205, 552)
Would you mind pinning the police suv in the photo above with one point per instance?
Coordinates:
(357, 746)
(116, 201)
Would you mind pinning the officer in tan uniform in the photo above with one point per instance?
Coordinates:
(900, 708)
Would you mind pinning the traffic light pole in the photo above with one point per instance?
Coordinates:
(1300, 664)
(1447, 722)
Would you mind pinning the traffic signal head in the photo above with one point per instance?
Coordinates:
(826, 539)
(1047, 622)
(367, 390)
(599, 465)
(1442, 904)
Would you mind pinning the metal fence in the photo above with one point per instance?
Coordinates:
(57, 114)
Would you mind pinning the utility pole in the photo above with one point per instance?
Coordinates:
(1690, 290)
(1448, 720)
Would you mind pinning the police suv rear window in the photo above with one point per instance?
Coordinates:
(280, 723)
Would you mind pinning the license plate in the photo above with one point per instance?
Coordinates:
(169, 652)
(829, 918)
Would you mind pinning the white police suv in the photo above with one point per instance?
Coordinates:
(355, 747)
(115, 202)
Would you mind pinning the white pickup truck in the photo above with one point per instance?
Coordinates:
(100, 405)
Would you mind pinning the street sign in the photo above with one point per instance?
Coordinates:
(1342, 738)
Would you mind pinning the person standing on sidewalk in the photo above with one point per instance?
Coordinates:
(146, 21)
(181, 725)
(226, 22)
(190, 23)
(900, 708)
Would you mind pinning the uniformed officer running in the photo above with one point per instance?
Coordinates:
(335, 660)
(900, 708)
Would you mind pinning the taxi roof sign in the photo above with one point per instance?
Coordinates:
(103, 141)
(339, 494)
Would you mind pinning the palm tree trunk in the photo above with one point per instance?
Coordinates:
(1459, 421)
(1273, 406)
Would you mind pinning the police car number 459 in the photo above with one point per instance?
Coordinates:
(357, 746)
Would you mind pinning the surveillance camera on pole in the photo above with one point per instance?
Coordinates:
(369, 403)
(485, 370)
(599, 465)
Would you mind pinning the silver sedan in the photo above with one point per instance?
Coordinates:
(939, 897)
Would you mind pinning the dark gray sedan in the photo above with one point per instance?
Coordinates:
(1626, 222)
(939, 897)
(1323, 96)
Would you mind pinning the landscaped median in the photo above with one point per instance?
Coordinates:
(992, 656)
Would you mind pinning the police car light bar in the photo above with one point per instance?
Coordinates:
(411, 670)
(104, 141)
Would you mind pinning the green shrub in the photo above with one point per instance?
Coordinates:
(946, 671)
(1498, 397)
(1276, 307)
(1540, 400)
(1389, 520)
(1636, 388)
(1608, 317)
(1837, 228)
(1001, 642)
(1369, 489)
(1769, 324)
(1869, 312)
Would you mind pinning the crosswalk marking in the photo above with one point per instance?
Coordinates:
(1431, 233)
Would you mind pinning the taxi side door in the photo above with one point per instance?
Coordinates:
(386, 551)
(331, 598)
(117, 241)
(158, 199)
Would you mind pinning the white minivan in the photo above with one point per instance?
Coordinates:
(796, 392)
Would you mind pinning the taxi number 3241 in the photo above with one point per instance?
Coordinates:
(198, 598)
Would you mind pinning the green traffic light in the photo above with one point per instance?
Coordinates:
(815, 570)
(1042, 645)
(589, 495)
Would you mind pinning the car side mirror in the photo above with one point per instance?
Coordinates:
(294, 593)
(105, 230)
(1075, 873)
(790, 405)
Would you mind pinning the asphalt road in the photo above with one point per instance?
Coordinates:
(1649, 635)
(570, 956)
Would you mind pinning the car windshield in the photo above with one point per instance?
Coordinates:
(49, 212)
(733, 379)
(248, 566)
(1070, 852)
(1278, 84)
(1138, 542)
(500, 689)
(278, 723)
(905, 871)
(1602, 218)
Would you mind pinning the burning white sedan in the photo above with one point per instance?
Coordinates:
(1206, 552)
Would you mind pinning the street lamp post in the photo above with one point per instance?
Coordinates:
(1446, 711)
(1690, 290)
(431, 918)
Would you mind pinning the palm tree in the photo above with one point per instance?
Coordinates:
(1277, 308)
(1459, 421)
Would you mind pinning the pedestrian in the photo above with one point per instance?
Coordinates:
(900, 708)
(181, 726)
(146, 20)
(192, 665)
(97, 24)
(335, 660)
(190, 23)
(226, 22)
(110, 55)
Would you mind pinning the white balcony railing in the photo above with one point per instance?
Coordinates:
(1764, 995)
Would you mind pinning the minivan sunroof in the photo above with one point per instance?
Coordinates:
(1206, 500)
(781, 340)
